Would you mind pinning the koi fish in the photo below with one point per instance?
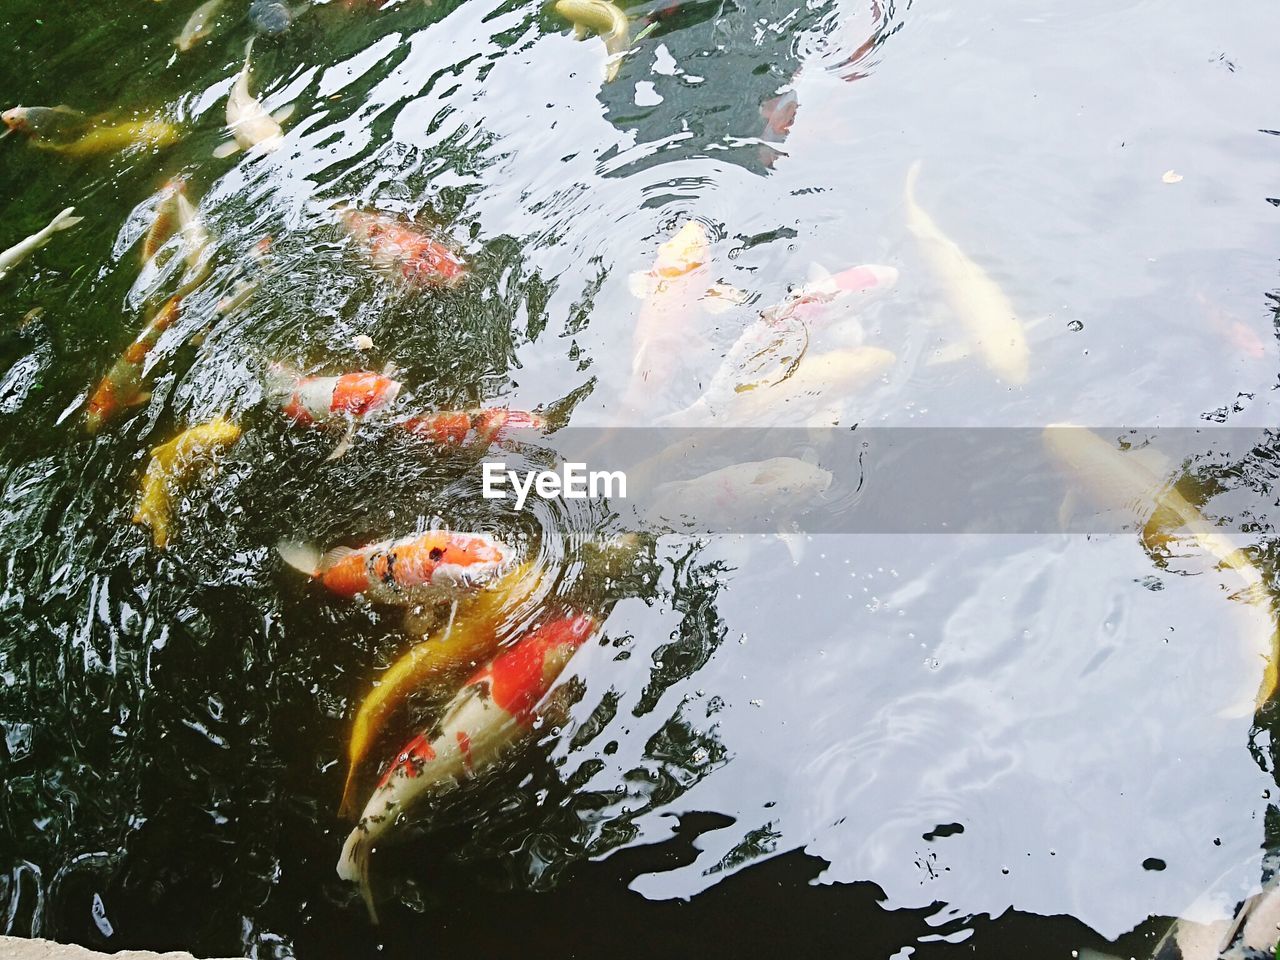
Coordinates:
(603, 18)
(436, 664)
(248, 121)
(122, 386)
(405, 572)
(669, 290)
(199, 26)
(177, 216)
(778, 114)
(272, 17)
(1130, 481)
(493, 711)
(44, 122)
(145, 135)
(472, 426)
(171, 464)
(977, 301)
(816, 300)
(402, 251)
(322, 400)
(24, 248)
(741, 491)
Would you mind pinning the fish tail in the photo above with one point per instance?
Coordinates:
(65, 220)
(353, 866)
(248, 52)
(913, 174)
(348, 808)
(300, 556)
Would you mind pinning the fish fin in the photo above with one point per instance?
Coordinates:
(139, 398)
(390, 370)
(353, 866)
(345, 443)
(818, 273)
(65, 220)
(580, 32)
(951, 353)
(224, 150)
(1068, 509)
(301, 556)
(641, 284)
(913, 174)
(284, 113)
(348, 809)
(336, 555)
(795, 543)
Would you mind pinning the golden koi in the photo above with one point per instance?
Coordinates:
(407, 572)
(977, 301)
(493, 711)
(149, 134)
(199, 26)
(436, 664)
(122, 385)
(171, 464)
(603, 18)
(1125, 481)
(24, 248)
(247, 120)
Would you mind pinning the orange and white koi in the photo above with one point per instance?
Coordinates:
(405, 572)
(318, 400)
(493, 711)
(122, 385)
(401, 251)
(462, 427)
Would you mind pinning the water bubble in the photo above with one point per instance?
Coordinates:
(1075, 326)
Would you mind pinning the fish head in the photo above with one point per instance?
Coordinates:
(15, 119)
(464, 559)
(684, 252)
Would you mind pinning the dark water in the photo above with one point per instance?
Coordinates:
(923, 746)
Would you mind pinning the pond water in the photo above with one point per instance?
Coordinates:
(885, 744)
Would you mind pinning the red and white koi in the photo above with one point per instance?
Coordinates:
(816, 300)
(322, 400)
(457, 428)
(405, 572)
(493, 711)
(319, 400)
(401, 251)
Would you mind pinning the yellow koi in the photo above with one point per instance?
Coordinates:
(171, 464)
(603, 18)
(152, 133)
(435, 665)
(1124, 480)
(977, 301)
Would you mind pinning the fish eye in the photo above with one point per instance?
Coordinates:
(436, 553)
